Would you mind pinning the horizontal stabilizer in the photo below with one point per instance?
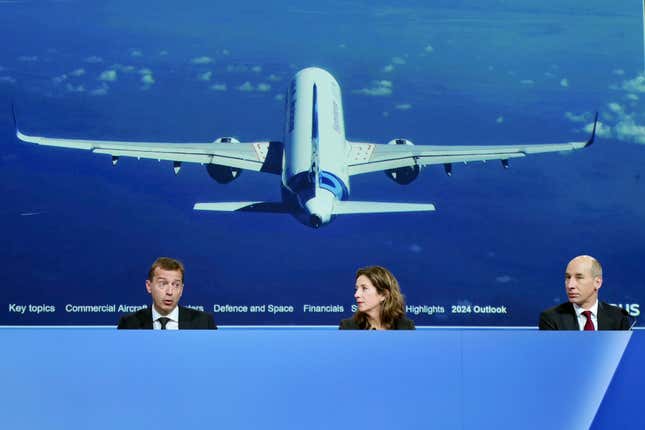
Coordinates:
(266, 207)
(352, 207)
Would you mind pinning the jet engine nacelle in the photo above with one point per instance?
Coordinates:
(224, 174)
(402, 175)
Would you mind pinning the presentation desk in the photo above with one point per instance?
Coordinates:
(296, 378)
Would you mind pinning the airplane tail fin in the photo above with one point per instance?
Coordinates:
(265, 207)
(353, 207)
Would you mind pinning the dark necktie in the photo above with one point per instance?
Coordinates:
(164, 320)
(589, 323)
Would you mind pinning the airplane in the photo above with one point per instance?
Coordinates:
(315, 159)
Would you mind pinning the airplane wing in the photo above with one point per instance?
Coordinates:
(371, 157)
(257, 156)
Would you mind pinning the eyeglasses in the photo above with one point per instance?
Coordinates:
(164, 285)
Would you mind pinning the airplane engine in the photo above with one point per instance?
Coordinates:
(402, 175)
(224, 174)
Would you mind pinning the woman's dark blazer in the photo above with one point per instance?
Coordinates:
(401, 324)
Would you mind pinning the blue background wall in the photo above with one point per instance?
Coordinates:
(78, 232)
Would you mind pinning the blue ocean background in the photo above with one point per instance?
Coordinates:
(76, 230)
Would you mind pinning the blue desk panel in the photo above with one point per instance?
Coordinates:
(314, 379)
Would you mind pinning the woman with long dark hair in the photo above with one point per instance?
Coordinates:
(379, 300)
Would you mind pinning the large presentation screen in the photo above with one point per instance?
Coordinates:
(82, 222)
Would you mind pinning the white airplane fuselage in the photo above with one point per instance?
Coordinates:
(315, 172)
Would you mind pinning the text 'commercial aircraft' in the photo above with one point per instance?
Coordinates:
(315, 159)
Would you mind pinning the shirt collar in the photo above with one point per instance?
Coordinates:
(579, 310)
(173, 315)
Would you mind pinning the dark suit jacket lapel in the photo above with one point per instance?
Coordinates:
(603, 318)
(571, 321)
(184, 323)
(146, 319)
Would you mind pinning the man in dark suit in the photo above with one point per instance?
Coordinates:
(583, 311)
(165, 284)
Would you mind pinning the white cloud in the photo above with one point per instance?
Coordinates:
(202, 60)
(504, 279)
(398, 60)
(385, 114)
(100, 91)
(135, 53)
(279, 97)
(429, 48)
(636, 85)
(619, 72)
(378, 88)
(499, 120)
(274, 78)
(206, 76)
(163, 53)
(632, 96)
(616, 108)
(527, 82)
(549, 75)
(403, 106)
(7, 80)
(147, 80)
(127, 69)
(628, 130)
(75, 89)
(491, 68)
(27, 58)
(264, 87)
(388, 68)
(246, 86)
(226, 52)
(77, 72)
(564, 82)
(236, 68)
(108, 76)
(342, 46)
(376, 91)
(218, 87)
(59, 79)
(256, 69)
(577, 118)
(93, 59)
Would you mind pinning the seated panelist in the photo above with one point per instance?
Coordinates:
(583, 311)
(165, 284)
(380, 302)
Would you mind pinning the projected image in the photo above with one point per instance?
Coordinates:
(275, 151)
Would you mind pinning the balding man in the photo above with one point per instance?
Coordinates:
(583, 311)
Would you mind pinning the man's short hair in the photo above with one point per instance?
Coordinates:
(166, 263)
